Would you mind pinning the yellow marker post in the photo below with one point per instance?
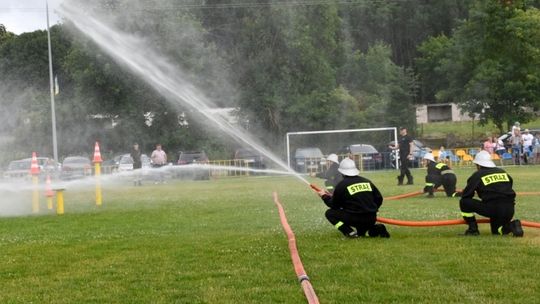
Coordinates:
(98, 184)
(35, 194)
(49, 193)
(34, 171)
(49, 203)
(97, 165)
(59, 201)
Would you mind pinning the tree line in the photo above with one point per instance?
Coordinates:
(283, 66)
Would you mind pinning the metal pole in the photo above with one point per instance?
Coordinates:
(51, 80)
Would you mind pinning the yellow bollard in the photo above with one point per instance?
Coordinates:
(49, 203)
(59, 201)
(35, 194)
(98, 184)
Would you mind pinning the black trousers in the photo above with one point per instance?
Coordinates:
(448, 181)
(500, 213)
(344, 221)
(404, 169)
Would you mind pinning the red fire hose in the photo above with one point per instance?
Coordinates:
(435, 223)
(297, 263)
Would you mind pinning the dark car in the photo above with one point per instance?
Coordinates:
(364, 155)
(192, 157)
(76, 167)
(309, 159)
(249, 157)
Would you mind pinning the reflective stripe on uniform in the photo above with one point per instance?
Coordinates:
(467, 214)
(495, 178)
(430, 184)
(339, 224)
(500, 230)
(359, 187)
(447, 171)
(439, 166)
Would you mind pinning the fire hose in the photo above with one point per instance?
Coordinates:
(438, 222)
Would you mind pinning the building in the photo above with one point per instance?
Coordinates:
(441, 112)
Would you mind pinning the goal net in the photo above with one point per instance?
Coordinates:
(306, 151)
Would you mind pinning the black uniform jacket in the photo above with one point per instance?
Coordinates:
(355, 194)
(491, 185)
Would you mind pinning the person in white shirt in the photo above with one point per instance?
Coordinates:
(159, 159)
(527, 144)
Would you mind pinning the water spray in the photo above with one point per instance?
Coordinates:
(160, 73)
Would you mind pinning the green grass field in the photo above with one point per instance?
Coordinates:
(221, 241)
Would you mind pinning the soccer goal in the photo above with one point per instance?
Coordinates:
(368, 147)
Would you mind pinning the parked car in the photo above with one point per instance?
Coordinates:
(21, 168)
(125, 163)
(76, 167)
(309, 159)
(250, 157)
(365, 154)
(192, 157)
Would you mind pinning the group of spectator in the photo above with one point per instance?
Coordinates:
(522, 143)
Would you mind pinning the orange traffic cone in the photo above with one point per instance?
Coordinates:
(34, 166)
(97, 154)
(49, 193)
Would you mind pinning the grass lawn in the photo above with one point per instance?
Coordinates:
(221, 241)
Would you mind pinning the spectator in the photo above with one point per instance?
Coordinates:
(159, 159)
(516, 141)
(488, 145)
(499, 146)
(527, 139)
(136, 156)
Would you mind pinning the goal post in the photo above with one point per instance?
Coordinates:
(332, 141)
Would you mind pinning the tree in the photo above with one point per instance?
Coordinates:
(492, 62)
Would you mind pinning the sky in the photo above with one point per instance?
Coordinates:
(20, 16)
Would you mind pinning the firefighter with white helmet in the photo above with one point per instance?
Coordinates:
(494, 187)
(354, 204)
(439, 174)
(331, 174)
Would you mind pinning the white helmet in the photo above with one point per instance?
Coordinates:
(429, 156)
(333, 158)
(483, 158)
(347, 167)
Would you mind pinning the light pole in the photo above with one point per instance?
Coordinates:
(51, 80)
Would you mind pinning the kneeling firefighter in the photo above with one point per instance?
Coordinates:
(494, 187)
(331, 175)
(439, 174)
(354, 204)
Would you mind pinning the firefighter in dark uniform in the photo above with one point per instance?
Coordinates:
(331, 175)
(405, 146)
(494, 187)
(439, 174)
(354, 204)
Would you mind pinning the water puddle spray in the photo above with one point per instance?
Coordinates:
(163, 76)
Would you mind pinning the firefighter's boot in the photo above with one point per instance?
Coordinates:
(473, 226)
(516, 229)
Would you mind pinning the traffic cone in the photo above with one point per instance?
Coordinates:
(34, 166)
(49, 193)
(97, 154)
